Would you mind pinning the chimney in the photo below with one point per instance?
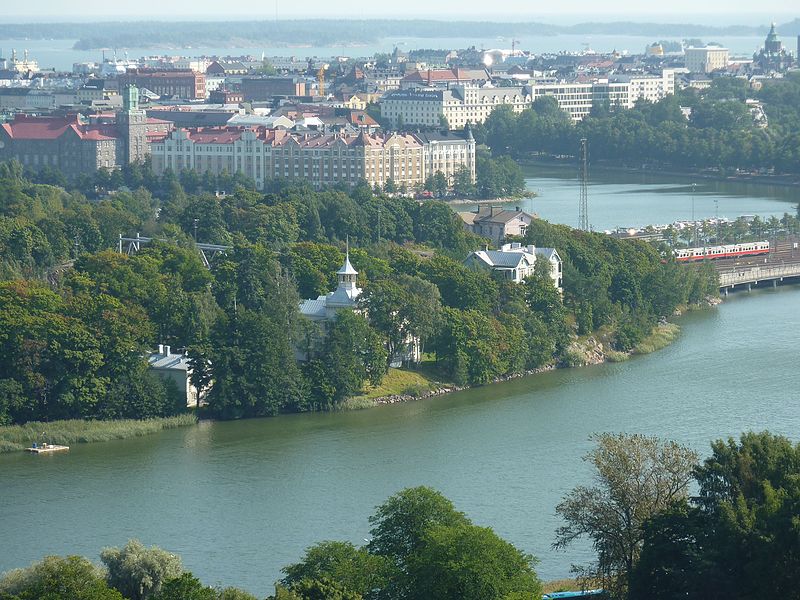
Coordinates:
(166, 350)
(486, 247)
(531, 249)
(161, 348)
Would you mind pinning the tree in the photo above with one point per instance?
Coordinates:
(739, 538)
(638, 477)
(57, 578)
(354, 569)
(470, 563)
(353, 353)
(139, 572)
(400, 523)
(185, 587)
(463, 186)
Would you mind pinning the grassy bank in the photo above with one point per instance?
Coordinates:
(76, 431)
(396, 382)
(661, 337)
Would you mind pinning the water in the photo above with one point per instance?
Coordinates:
(240, 500)
(625, 199)
(59, 54)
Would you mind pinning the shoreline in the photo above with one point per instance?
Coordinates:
(586, 352)
(788, 181)
(16, 438)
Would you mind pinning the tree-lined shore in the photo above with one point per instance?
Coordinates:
(63, 281)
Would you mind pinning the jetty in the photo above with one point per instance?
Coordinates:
(47, 448)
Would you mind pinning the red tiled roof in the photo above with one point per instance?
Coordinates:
(214, 135)
(52, 128)
(43, 128)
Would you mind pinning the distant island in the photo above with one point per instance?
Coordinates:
(332, 32)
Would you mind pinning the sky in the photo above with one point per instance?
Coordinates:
(721, 12)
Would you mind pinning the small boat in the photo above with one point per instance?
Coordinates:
(47, 448)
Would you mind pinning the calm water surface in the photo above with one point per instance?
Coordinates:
(60, 55)
(625, 199)
(240, 500)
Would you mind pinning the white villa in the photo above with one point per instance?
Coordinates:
(175, 367)
(324, 308)
(515, 262)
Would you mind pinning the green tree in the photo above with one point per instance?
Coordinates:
(638, 477)
(470, 563)
(353, 354)
(463, 186)
(739, 537)
(185, 587)
(57, 578)
(400, 523)
(354, 569)
(139, 572)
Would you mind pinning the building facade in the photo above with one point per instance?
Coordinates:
(459, 104)
(707, 59)
(462, 104)
(256, 89)
(63, 143)
(320, 158)
(174, 82)
(515, 262)
(76, 146)
(496, 223)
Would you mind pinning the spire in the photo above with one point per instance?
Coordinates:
(347, 268)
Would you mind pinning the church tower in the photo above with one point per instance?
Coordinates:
(132, 124)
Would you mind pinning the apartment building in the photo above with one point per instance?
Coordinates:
(460, 104)
(319, 158)
(264, 88)
(174, 82)
(707, 59)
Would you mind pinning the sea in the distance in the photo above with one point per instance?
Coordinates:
(59, 54)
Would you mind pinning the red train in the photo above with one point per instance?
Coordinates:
(729, 251)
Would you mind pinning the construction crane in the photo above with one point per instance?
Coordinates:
(321, 79)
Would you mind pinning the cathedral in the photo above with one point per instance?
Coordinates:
(773, 57)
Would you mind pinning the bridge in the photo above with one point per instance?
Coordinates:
(208, 252)
(781, 264)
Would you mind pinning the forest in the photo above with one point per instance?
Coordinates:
(77, 318)
(720, 133)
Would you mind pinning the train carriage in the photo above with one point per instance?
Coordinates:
(727, 251)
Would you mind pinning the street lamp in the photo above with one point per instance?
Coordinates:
(195, 230)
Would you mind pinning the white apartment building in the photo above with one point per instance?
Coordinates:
(460, 104)
(321, 159)
(706, 60)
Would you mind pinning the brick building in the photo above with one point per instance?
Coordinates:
(176, 82)
(256, 89)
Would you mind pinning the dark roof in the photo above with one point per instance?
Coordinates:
(504, 259)
(504, 216)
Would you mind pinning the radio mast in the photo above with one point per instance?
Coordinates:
(583, 207)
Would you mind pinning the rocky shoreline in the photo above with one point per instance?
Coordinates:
(581, 353)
